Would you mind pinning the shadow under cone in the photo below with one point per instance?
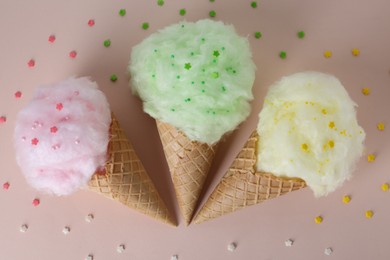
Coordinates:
(242, 186)
(189, 163)
(125, 179)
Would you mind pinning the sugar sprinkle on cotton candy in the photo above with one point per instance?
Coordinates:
(197, 77)
(61, 136)
(308, 129)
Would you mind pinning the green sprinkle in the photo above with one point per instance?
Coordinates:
(254, 4)
(155, 50)
(173, 110)
(212, 13)
(192, 82)
(203, 39)
(216, 54)
(215, 75)
(203, 91)
(192, 53)
(301, 34)
(107, 43)
(145, 26)
(153, 76)
(258, 35)
(187, 100)
(282, 54)
(182, 12)
(223, 48)
(178, 76)
(223, 88)
(203, 82)
(113, 78)
(187, 66)
(172, 56)
(214, 60)
(182, 26)
(122, 12)
(160, 2)
(172, 64)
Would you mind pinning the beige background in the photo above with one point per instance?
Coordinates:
(259, 231)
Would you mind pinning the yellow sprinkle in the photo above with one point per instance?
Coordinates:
(344, 132)
(318, 219)
(385, 187)
(346, 199)
(327, 54)
(355, 52)
(323, 111)
(381, 126)
(305, 147)
(366, 91)
(369, 213)
(331, 124)
(371, 157)
(331, 143)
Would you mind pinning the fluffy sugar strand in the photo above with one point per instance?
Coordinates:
(61, 136)
(308, 129)
(197, 77)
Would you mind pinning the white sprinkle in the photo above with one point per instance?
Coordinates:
(328, 251)
(89, 257)
(174, 257)
(89, 218)
(23, 228)
(121, 248)
(231, 247)
(289, 242)
(66, 230)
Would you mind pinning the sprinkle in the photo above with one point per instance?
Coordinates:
(89, 257)
(301, 34)
(34, 141)
(215, 75)
(366, 91)
(355, 52)
(328, 251)
(380, 126)
(31, 63)
(385, 187)
(327, 54)
(122, 12)
(212, 13)
(36, 202)
(254, 4)
(187, 99)
(231, 247)
(51, 38)
(216, 54)
(89, 218)
(18, 94)
(223, 88)
(53, 129)
(282, 54)
(66, 230)
(121, 248)
(59, 106)
(369, 214)
(113, 78)
(6, 185)
(331, 124)
(323, 111)
(91, 22)
(289, 242)
(73, 54)
(331, 143)
(258, 35)
(160, 2)
(346, 199)
(107, 43)
(371, 157)
(23, 228)
(175, 257)
(305, 147)
(182, 12)
(145, 26)
(187, 66)
(3, 119)
(318, 219)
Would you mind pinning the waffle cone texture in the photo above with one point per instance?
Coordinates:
(125, 179)
(189, 163)
(243, 186)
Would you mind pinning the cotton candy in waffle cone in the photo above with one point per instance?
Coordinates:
(243, 186)
(124, 178)
(189, 163)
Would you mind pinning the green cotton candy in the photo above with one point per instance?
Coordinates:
(197, 77)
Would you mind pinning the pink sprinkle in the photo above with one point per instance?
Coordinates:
(3, 119)
(91, 22)
(36, 202)
(53, 129)
(34, 141)
(73, 54)
(59, 106)
(18, 94)
(31, 63)
(6, 185)
(52, 38)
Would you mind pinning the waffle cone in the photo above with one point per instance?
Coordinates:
(243, 186)
(189, 163)
(124, 178)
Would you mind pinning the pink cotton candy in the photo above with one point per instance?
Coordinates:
(61, 136)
